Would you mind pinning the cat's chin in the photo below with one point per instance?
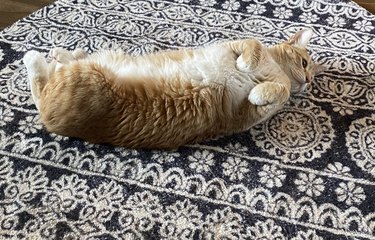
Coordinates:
(300, 88)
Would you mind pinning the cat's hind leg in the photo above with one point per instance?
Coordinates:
(37, 71)
(269, 96)
(79, 53)
(62, 56)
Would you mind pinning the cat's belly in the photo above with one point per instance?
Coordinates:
(206, 65)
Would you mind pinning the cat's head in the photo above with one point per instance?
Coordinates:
(297, 62)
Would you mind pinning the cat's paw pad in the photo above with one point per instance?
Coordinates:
(61, 55)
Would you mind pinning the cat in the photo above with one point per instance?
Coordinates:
(169, 98)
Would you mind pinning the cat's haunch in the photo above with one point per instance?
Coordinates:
(167, 99)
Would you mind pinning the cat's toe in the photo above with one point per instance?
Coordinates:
(61, 55)
(79, 53)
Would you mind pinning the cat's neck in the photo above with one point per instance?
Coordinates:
(277, 52)
(280, 55)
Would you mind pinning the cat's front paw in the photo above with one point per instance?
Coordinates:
(251, 56)
(242, 65)
(269, 93)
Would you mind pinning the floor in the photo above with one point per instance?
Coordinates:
(368, 4)
(12, 10)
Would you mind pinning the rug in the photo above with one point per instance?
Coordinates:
(306, 173)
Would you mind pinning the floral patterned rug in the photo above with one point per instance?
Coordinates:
(306, 173)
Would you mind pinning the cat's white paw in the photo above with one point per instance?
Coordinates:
(242, 65)
(31, 58)
(258, 98)
(35, 63)
(268, 93)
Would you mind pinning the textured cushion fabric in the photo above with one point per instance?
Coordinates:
(306, 173)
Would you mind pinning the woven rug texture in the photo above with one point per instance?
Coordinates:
(306, 173)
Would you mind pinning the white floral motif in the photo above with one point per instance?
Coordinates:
(140, 7)
(231, 5)
(300, 132)
(344, 40)
(143, 209)
(265, 230)
(104, 4)
(180, 220)
(360, 140)
(309, 235)
(222, 224)
(271, 176)
(309, 184)
(141, 47)
(30, 124)
(14, 87)
(308, 17)
(344, 91)
(207, 3)
(66, 193)
(101, 201)
(256, 9)
(217, 19)
(336, 21)
(350, 193)
(257, 25)
(179, 13)
(235, 168)
(164, 157)
(201, 161)
(363, 25)
(338, 168)
(282, 13)
(6, 115)
(26, 184)
(237, 147)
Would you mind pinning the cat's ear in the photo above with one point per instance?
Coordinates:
(301, 38)
(319, 68)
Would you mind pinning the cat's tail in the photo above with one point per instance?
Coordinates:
(37, 71)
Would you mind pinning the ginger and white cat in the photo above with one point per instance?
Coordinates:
(167, 99)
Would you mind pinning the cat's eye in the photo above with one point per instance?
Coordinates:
(304, 63)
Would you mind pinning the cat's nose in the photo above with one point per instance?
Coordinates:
(308, 79)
